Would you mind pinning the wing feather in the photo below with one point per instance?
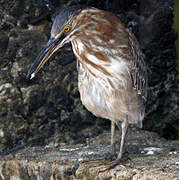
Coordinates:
(137, 68)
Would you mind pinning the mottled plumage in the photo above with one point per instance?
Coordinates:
(112, 76)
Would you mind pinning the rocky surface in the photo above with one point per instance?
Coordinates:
(47, 109)
(149, 158)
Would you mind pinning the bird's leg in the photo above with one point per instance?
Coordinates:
(124, 127)
(113, 132)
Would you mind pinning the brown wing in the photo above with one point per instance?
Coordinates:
(138, 69)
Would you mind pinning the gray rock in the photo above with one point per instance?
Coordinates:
(151, 158)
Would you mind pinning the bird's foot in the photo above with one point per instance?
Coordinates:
(111, 156)
(119, 161)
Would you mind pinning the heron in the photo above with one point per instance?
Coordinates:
(112, 73)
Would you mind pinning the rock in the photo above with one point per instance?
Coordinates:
(4, 39)
(82, 161)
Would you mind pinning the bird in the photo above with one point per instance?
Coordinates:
(112, 72)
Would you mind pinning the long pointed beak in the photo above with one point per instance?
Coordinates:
(43, 57)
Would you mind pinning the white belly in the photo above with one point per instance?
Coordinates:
(106, 91)
(93, 95)
(100, 98)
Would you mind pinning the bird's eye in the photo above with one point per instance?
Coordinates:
(66, 29)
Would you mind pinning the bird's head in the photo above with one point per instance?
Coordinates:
(62, 32)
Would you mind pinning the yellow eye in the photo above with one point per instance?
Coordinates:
(66, 29)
